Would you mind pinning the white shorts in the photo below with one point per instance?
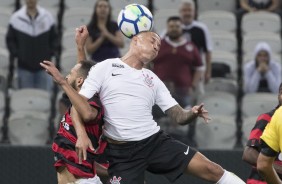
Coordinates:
(95, 180)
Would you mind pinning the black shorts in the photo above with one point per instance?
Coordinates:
(159, 154)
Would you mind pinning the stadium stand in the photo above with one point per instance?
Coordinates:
(207, 5)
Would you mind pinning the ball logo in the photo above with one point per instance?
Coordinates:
(115, 180)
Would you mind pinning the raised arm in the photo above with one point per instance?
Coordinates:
(183, 117)
(79, 102)
(81, 35)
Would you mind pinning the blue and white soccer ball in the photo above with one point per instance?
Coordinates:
(133, 19)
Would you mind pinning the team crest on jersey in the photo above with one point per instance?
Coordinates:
(66, 125)
(148, 80)
(63, 119)
(115, 180)
(189, 47)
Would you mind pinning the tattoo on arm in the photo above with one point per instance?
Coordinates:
(180, 115)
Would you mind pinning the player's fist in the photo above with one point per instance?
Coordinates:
(81, 34)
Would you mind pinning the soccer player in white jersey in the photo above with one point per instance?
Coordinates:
(135, 142)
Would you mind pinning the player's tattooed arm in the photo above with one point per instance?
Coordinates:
(183, 117)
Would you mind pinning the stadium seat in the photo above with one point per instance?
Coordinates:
(28, 128)
(5, 15)
(68, 41)
(167, 4)
(8, 4)
(219, 20)
(207, 5)
(50, 3)
(224, 41)
(248, 124)
(251, 40)
(219, 103)
(219, 134)
(262, 21)
(222, 59)
(69, 4)
(68, 60)
(256, 103)
(2, 103)
(121, 4)
(3, 80)
(75, 17)
(30, 100)
(4, 61)
(3, 32)
(160, 18)
(222, 84)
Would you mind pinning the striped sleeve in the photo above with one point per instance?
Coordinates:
(258, 129)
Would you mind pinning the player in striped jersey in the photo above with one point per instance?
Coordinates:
(68, 163)
(253, 146)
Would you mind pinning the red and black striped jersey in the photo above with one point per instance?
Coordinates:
(254, 142)
(65, 140)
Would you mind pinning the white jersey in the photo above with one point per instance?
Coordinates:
(127, 95)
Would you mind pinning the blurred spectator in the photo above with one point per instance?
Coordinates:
(263, 74)
(32, 38)
(178, 63)
(198, 33)
(105, 37)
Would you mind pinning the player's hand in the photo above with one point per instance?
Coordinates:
(51, 69)
(81, 35)
(200, 111)
(82, 144)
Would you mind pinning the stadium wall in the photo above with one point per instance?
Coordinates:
(33, 165)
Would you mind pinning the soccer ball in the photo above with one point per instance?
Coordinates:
(133, 19)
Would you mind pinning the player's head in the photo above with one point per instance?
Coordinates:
(79, 73)
(174, 29)
(146, 46)
(187, 11)
(31, 3)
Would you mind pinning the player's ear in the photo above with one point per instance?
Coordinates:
(79, 81)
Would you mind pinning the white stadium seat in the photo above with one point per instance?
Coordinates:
(50, 3)
(68, 41)
(219, 20)
(8, 4)
(4, 60)
(219, 134)
(30, 100)
(224, 41)
(222, 84)
(248, 124)
(68, 60)
(3, 79)
(160, 18)
(207, 5)
(5, 15)
(76, 17)
(251, 40)
(219, 103)
(3, 32)
(126, 46)
(261, 21)
(81, 3)
(28, 128)
(228, 59)
(256, 103)
(167, 4)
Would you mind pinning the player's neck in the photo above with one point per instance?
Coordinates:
(132, 61)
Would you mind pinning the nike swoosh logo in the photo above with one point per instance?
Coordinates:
(115, 74)
(186, 153)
